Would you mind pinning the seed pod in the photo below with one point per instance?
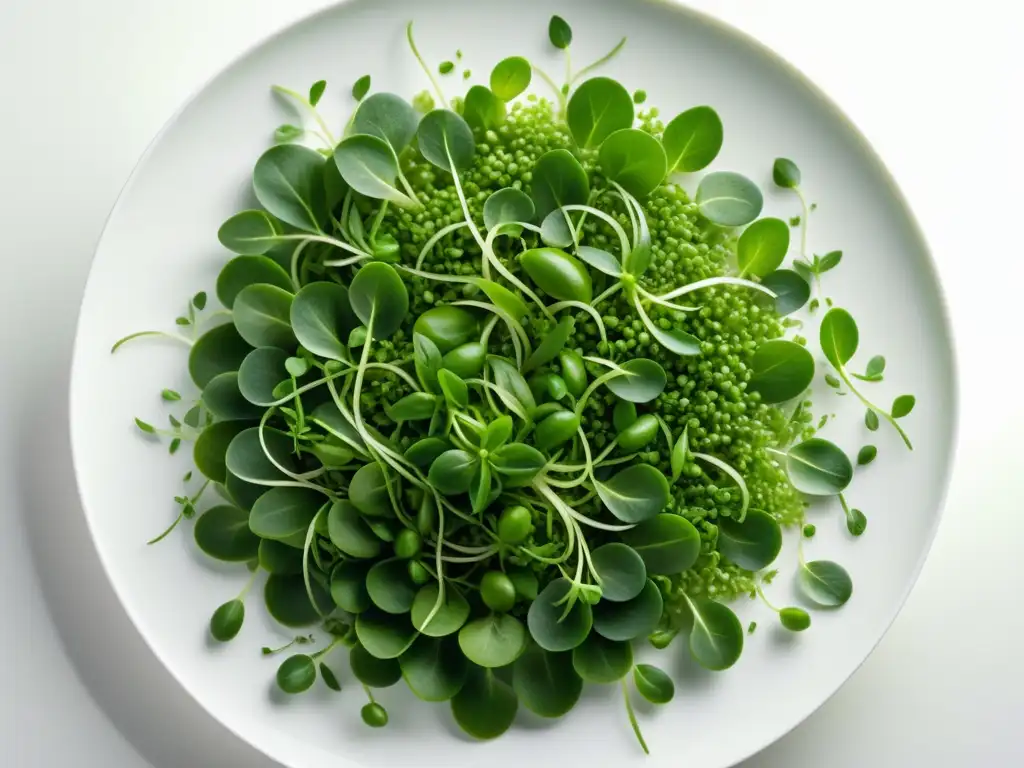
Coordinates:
(638, 434)
(448, 327)
(558, 274)
(573, 372)
(555, 430)
(466, 360)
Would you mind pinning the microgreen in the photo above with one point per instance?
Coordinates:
(361, 87)
(729, 199)
(598, 108)
(510, 77)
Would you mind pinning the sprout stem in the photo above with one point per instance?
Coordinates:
(430, 76)
(632, 717)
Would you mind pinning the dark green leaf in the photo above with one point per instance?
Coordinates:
(653, 684)
(296, 674)
(598, 107)
(329, 678)
(321, 317)
(818, 468)
(781, 370)
(630, 619)
(785, 173)
(838, 336)
(497, 433)
(548, 628)
(414, 407)
(434, 668)
(384, 635)
(223, 532)
(348, 586)
(388, 117)
(450, 617)
(506, 206)
(635, 494)
(482, 109)
(546, 682)
(599, 660)
(903, 405)
(621, 571)
(825, 583)
(368, 491)
(316, 91)
(556, 429)
(260, 373)
(829, 261)
(559, 32)
(261, 314)
(600, 260)
(227, 620)
(448, 327)
(558, 274)
(692, 140)
(791, 290)
(277, 557)
(250, 233)
(493, 641)
(668, 544)
(288, 182)
(285, 513)
(452, 471)
(508, 377)
(217, 351)
(716, 639)
(866, 455)
(446, 140)
(753, 544)
(558, 180)
(368, 165)
(485, 706)
(247, 459)
(643, 381)
(762, 247)
(224, 399)
(361, 87)
(288, 603)
(456, 391)
(349, 533)
(379, 298)
(371, 671)
(517, 463)
(871, 420)
(423, 452)
(211, 448)
(550, 345)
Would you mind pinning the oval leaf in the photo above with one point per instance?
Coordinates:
(434, 668)
(838, 336)
(599, 660)
(634, 159)
(632, 619)
(288, 181)
(223, 533)
(598, 107)
(322, 318)
(781, 370)
(379, 298)
(753, 544)
(729, 199)
(546, 682)
(261, 314)
(388, 117)
(450, 617)
(621, 570)
(643, 381)
(548, 628)
(819, 468)
(668, 544)
(635, 494)
(762, 247)
(558, 180)
(485, 706)
(368, 165)
(493, 641)
(716, 639)
(825, 583)
(446, 140)
(692, 140)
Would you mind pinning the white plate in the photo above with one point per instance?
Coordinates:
(160, 246)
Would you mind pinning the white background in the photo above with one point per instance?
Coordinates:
(936, 87)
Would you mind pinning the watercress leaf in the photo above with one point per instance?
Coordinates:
(455, 390)
(558, 180)
(785, 173)
(791, 290)
(371, 671)
(752, 544)
(558, 274)
(653, 684)
(379, 298)
(630, 619)
(485, 706)
(546, 682)
(384, 635)
(668, 544)
(224, 400)
(551, 344)
(903, 405)
(249, 233)
(414, 407)
(506, 206)
(692, 140)
(510, 77)
(482, 109)
(829, 261)
(277, 557)
(866, 455)
(427, 359)
(450, 617)
(452, 471)
(818, 468)
(288, 182)
(547, 627)
(226, 621)
(621, 571)
(782, 370)
(296, 674)
(246, 458)
(322, 318)
(555, 231)
(599, 660)
(762, 247)
(288, 603)
(493, 641)
(729, 199)
(446, 140)
(223, 533)
(348, 586)
(368, 166)
(508, 377)
(497, 433)
(261, 315)
(337, 424)
(449, 327)
(368, 490)
(559, 32)
(212, 445)
(597, 108)
(434, 668)
(390, 587)
(316, 91)
(361, 87)
(716, 638)
(260, 373)
(423, 452)
(217, 351)
(285, 512)
(634, 159)
(349, 532)
(600, 260)
(838, 336)
(871, 420)
(517, 463)
(388, 117)
(635, 494)
(243, 494)
(643, 381)
(825, 583)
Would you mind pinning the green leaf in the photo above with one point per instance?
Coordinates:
(762, 247)
(680, 454)
(348, 586)
(388, 117)
(361, 87)
(287, 133)
(482, 109)
(781, 370)
(288, 181)
(497, 433)
(558, 428)
(423, 452)
(692, 140)
(329, 678)
(510, 77)
(546, 682)
(635, 159)
(249, 233)
(599, 660)
(450, 617)
(785, 173)
(225, 401)
(434, 668)
(829, 261)
(550, 345)
(349, 532)
(547, 627)
(517, 463)
(903, 405)
(416, 406)
(838, 336)
(227, 620)
(791, 290)
(368, 490)
(217, 351)
(446, 140)
(485, 706)
(261, 315)
(558, 180)
(455, 390)
(818, 468)
(866, 455)
(558, 274)
(794, 619)
(574, 374)
(452, 471)
(288, 603)
(209, 453)
(621, 571)
(260, 373)
(322, 318)
(316, 91)
(753, 544)
(371, 671)
(508, 377)
(481, 488)
(296, 674)
(668, 544)
(600, 260)
(598, 107)
(729, 199)
(223, 533)
(643, 381)
(631, 619)
(555, 231)
(559, 32)
(635, 494)
(674, 340)
(493, 641)
(384, 635)
(368, 165)
(448, 327)
(285, 513)
(246, 458)
(871, 420)
(856, 522)
(716, 639)
(379, 298)
(653, 684)
(825, 583)
(506, 206)
(277, 557)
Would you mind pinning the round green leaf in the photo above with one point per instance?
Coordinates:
(791, 290)
(621, 570)
(600, 260)
(517, 463)
(762, 247)
(285, 512)
(668, 544)
(638, 434)
(261, 314)
(243, 271)
(288, 603)
(729, 199)
(448, 327)
(781, 370)
(450, 617)
(371, 671)
(217, 351)
(247, 460)
(434, 668)
(903, 405)
(819, 468)
(288, 181)
(599, 660)
(554, 230)
(838, 336)
(753, 544)
(558, 180)
(635, 494)
(598, 107)
(242, 493)
(692, 140)
(379, 298)
(634, 159)
(277, 557)
(506, 206)
(384, 635)
(349, 533)
(482, 109)
(368, 491)
(250, 233)
(559, 32)
(423, 452)
(558, 274)
(260, 373)
(296, 674)
(224, 399)
(388, 117)
(322, 318)
(368, 165)
(643, 381)
(548, 628)
(546, 682)
(226, 621)
(493, 641)
(653, 684)
(632, 619)
(348, 586)
(825, 583)
(556, 429)
(716, 639)
(453, 471)
(446, 140)
(785, 173)
(485, 706)
(390, 587)
(211, 448)
(223, 532)
(510, 78)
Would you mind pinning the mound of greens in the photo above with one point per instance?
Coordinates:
(492, 399)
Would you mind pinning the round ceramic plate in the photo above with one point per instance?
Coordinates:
(160, 247)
